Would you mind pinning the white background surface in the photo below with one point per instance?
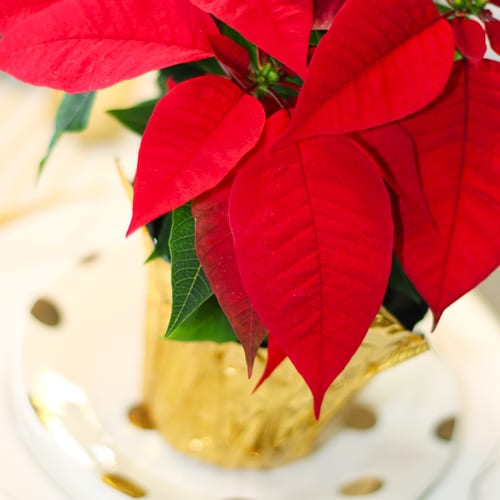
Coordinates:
(42, 233)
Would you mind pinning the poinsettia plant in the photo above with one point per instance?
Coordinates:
(301, 150)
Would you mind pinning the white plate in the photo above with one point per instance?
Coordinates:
(86, 374)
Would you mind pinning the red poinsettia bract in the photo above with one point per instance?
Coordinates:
(14, 11)
(324, 12)
(458, 151)
(83, 45)
(215, 249)
(470, 38)
(312, 226)
(299, 199)
(401, 62)
(279, 28)
(197, 134)
(493, 30)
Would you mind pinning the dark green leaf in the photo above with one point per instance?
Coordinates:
(135, 118)
(181, 72)
(284, 91)
(400, 282)
(210, 66)
(161, 237)
(190, 287)
(315, 37)
(208, 322)
(186, 71)
(72, 116)
(443, 9)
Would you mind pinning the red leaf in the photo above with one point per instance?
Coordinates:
(279, 27)
(230, 55)
(470, 38)
(275, 356)
(384, 60)
(14, 11)
(324, 12)
(313, 238)
(82, 45)
(458, 145)
(215, 249)
(493, 30)
(198, 132)
(395, 152)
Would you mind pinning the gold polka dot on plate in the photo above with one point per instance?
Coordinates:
(90, 258)
(360, 417)
(139, 416)
(444, 430)
(46, 312)
(361, 486)
(123, 485)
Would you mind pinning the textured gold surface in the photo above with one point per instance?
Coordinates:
(201, 400)
(123, 485)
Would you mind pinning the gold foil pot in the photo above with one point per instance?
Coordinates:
(198, 395)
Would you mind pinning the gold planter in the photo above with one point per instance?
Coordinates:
(198, 396)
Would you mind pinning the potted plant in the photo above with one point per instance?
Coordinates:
(303, 155)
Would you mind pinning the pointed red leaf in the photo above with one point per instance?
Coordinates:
(275, 356)
(279, 27)
(14, 11)
(458, 145)
(324, 12)
(198, 132)
(230, 55)
(215, 249)
(395, 152)
(470, 38)
(493, 30)
(384, 60)
(82, 45)
(313, 238)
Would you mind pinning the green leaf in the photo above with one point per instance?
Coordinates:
(400, 282)
(161, 237)
(315, 37)
(135, 118)
(72, 116)
(458, 56)
(283, 91)
(443, 9)
(190, 287)
(208, 322)
(186, 71)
